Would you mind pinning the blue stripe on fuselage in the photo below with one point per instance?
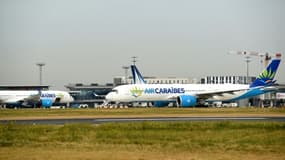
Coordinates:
(251, 93)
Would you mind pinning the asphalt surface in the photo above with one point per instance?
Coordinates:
(158, 119)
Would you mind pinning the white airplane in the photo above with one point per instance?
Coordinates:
(33, 97)
(187, 95)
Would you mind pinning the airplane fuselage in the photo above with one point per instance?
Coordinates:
(9, 96)
(168, 92)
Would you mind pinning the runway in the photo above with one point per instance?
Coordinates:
(120, 120)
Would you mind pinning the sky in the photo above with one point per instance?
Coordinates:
(88, 41)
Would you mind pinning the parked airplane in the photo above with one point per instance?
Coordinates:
(187, 95)
(33, 97)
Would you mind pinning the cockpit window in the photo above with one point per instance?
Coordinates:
(114, 90)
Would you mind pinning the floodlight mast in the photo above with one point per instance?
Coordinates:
(126, 68)
(264, 58)
(247, 60)
(134, 60)
(40, 68)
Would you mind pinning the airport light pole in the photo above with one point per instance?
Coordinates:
(247, 60)
(248, 55)
(134, 60)
(40, 67)
(126, 68)
(261, 61)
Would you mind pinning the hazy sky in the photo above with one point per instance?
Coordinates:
(88, 41)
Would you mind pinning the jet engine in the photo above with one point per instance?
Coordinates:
(47, 102)
(186, 101)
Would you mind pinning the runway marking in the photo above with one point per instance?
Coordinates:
(179, 119)
(120, 120)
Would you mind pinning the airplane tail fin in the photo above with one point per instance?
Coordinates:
(266, 77)
(137, 77)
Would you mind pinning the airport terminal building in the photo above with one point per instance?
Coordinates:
(227, 80)
(156, 80)
(88, 95)
(24, 87)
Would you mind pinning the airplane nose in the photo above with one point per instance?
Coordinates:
(109, 97)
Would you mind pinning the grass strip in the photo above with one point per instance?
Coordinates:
(162, 138)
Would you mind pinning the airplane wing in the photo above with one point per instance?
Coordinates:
(12, 100)
(224, 93)
(209, 94)
(206, 95)
(100, 96)
(21, 99)
(33, 98)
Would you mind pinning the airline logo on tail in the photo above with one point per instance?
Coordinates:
(137, 77)
(266, 77)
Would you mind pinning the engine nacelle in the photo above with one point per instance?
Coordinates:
(46, 102)
(160, 103)
(186, 101)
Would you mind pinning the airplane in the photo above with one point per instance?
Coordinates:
(189, 95)
(33, 97)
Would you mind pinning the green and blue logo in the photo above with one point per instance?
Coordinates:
(267, 75)
(136, 92)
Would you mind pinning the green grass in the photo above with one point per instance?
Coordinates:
(171, 139)
(247, 136)
(11, 113)
(196, 135)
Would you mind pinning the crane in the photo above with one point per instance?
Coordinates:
(264, 58)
